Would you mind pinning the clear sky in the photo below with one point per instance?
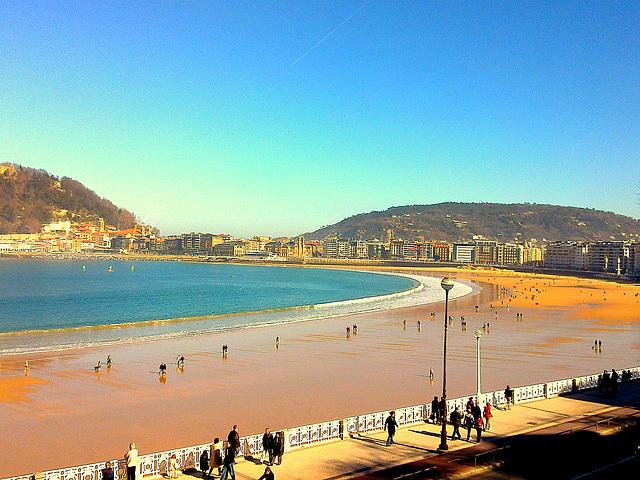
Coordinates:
(279, 117)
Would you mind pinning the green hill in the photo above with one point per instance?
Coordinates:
(30, 197)
(459, 222)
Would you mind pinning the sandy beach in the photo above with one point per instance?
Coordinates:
(64, 414)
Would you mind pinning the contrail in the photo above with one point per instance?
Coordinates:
(330, 33)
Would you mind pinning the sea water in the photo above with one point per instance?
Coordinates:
(62, 304)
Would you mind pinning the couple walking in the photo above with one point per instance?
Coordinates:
(272, 446)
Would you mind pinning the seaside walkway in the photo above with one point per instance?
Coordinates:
(415, 453)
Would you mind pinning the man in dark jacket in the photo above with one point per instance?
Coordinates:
(456, 420)
(390, 425)
(228, 462)
(267, 446)
(234, 439)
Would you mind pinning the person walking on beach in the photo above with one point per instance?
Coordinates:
(278, 447)
(267, 475)
(215, 457)
(229, 461)
(267, 446)
(456, 420)
(390, 425)
(108, 361)
(26, 367)
(132, 460)
(234, 439)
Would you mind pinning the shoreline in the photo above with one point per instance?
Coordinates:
(103, 335)
(316, 373)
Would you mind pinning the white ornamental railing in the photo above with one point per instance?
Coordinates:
(156, 464)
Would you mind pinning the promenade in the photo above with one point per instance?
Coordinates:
(414, 455)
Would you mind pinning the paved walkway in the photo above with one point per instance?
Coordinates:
(416, 447)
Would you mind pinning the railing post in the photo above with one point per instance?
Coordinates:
(342, 428)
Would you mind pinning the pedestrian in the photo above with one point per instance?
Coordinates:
(132, 460)
(267, 475)
(277, 342)
(390, 425)
(229, 461)
(479, 424)
(614, 381)
(215, 457)
(470, 404)
(468, 422)
(107, 472)
(234, 439)
(604, 383)
(435, 410)
(487, 416)
(173, 466)
(431, 374)
(267, 446)
(508, 395)
(108, 361)
(204, 462)
(456, 420)
(278, 447)
(26, 367)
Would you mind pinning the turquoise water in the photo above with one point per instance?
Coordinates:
(54, 304)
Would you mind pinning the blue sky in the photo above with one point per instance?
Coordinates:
(280, 117)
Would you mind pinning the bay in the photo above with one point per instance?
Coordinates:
(62, 304)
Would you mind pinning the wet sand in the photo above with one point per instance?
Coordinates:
(64, 414)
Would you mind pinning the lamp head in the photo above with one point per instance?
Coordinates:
(478, 333)
(446, 284)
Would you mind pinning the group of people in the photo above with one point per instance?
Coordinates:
(353, 329)
(211, 460)
(473, 418)
(95, 369)
(609, 382)
(272, 447)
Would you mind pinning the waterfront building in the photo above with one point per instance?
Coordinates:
(442, 252)
(396, 249)
(611, 257)
(464, 252)
(375, 250)
(569, 255)
(486, 252)
(409, 251)
(424, 250)
(512, 254)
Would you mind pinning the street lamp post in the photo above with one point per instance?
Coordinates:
(478, 334)
(446, 284)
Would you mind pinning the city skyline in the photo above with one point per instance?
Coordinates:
(277, 118)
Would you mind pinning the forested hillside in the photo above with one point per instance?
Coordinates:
(459, 222)
(30, 197)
